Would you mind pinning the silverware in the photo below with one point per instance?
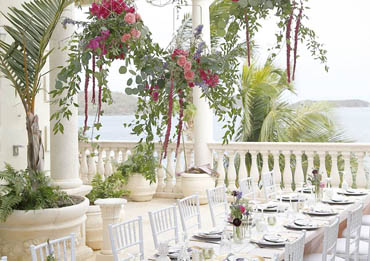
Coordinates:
(205, 241)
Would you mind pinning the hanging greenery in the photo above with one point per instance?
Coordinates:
(229, 17)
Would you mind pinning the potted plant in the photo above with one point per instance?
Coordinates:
(111, 187)
(139, 173)
(54, 214)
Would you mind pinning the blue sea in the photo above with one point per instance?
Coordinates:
(354, 121)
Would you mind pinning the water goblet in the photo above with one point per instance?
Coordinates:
(271, 220)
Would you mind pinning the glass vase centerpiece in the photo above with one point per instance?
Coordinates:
(240, 217)
(318, 185)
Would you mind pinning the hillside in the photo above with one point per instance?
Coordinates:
(339, 103)
(122, 105)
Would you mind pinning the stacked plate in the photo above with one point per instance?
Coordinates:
(292, 197)
(272, 240)
(320, 212)
(338, 201)
(269, 207)
(211, 236)
(302, 224)
(352, 192)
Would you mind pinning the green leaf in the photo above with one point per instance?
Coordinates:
(138, 79)
(132, 72)
(58, 85)
(128, 91)
(122, 70)
(129, 82)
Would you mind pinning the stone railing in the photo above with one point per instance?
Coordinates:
(103, 157)
(290, 162)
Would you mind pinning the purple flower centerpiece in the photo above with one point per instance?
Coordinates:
(239, 216)
(316, 181)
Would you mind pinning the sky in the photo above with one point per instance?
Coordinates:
(342, 26)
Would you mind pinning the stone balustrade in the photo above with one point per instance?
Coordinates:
(290, 162)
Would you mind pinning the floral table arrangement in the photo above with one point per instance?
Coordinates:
(318, 185)
(239, 217)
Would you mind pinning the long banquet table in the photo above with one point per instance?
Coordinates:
(313, 240)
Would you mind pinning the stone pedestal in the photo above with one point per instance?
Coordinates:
(110, 211)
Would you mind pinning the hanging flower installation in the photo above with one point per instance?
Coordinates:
(114, 31)
(160, 78)
(229, 16)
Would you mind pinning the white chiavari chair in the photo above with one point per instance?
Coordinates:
(217, 201)
(246, 187)
(189, 214)
(61, 249)
(350, 247)
(127, 235)
(329, 245)
(294, 251)
(164, 223)
(269, 186)
(3, 258)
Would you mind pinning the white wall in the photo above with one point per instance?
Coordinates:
(12, 115)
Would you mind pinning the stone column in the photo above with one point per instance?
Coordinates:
(110, 212)
(203, 121)
(64, 165)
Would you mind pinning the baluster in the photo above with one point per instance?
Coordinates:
(310, 167)
(84, 169)
(116, 158)
(108, 163)
(178, 171)
(189, 159)
(347, 174)
(287, 174)
(243, 173)
(100, 169)
(254, 168)
(92, 166)
(276, 169)
(322, 169)
(334, 174)
(124, 154)
(231, 172)
(265, 161)
(160, 175)
(220, 168)
(298, 175)
(170, 173)
(360, 175)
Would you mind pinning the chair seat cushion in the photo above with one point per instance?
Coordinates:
(341, 247)
(366, 220)
(318, 257)
(364, 233)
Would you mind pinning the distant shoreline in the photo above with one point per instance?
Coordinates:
(126, 105)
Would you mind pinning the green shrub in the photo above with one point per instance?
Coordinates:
(28, 190)
(111, 187)
(142, 161)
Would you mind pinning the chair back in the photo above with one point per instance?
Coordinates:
(294, 251)
(126, 235)
(189, 214)
(330, 241)
(217, 201)
(269, 186)
(3, 258)
(354, 222)
(61, 249)
(164, 222)
(246, 187)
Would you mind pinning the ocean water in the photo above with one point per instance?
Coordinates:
(354, 121)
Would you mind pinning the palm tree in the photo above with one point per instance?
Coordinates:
(23, 60)
(266, 116)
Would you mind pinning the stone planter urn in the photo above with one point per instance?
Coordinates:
(24, 228)
(195, 183)
(140, 188)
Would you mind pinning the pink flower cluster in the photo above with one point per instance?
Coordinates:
(134, 33)
(211, 79)
(99, 42)
(153, 91)
(183, 62)
(107, 7)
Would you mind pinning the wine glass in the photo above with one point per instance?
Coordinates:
(271, 221)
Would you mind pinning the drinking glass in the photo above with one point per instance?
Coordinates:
(271, 220)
